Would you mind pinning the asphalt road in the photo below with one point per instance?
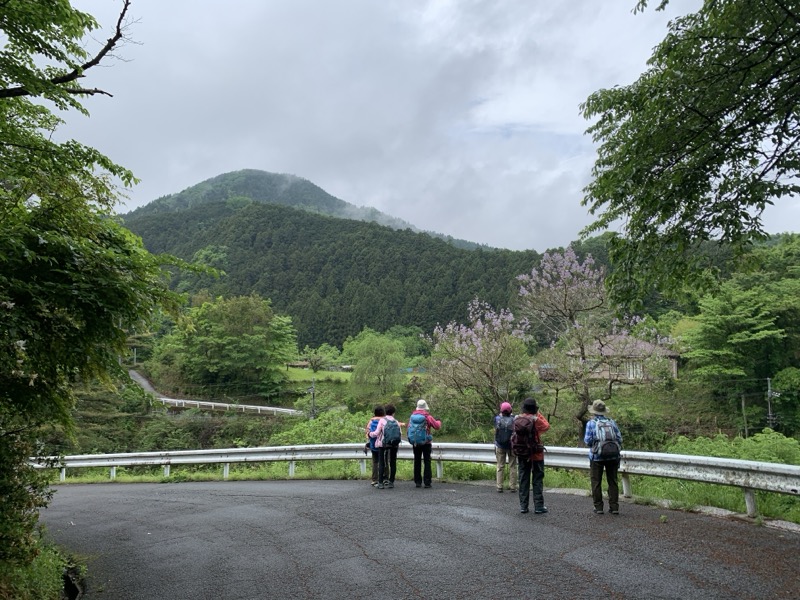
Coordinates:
(344, 539)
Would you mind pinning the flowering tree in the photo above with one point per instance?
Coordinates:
(560, 294)
(485, 360)
(565, 302)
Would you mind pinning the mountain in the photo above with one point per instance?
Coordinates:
(333, 276)
(251, 185)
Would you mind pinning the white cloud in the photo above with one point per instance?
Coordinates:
(459, 116)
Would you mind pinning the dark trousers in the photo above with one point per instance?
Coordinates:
(611, 468)
(531, 469)
(422, 454)
(376, 457)
(387, 464)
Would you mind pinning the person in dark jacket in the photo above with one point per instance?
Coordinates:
(531, 468)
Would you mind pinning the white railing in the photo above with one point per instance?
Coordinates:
(748, 475)
(221, 406)
(147, 386)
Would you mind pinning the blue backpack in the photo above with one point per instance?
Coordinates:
(391, 434)
(418, 430)
(373, 425)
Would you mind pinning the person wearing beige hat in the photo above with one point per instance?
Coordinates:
(419, 428)
(604, 440)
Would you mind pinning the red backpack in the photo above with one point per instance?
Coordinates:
(525, 439)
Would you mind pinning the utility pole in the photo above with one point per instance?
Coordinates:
(313, 390)
(744, 417)
(772, 418)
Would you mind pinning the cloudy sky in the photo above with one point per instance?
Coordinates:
(459, 116)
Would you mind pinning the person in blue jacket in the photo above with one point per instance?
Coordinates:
(598, 464)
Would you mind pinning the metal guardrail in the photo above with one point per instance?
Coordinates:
(748, 475)
(147, 386)
(221, 406)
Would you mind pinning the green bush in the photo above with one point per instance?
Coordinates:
(39, 579)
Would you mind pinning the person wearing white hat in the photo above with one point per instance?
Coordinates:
(419, 428)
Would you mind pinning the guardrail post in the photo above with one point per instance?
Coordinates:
(166, 470)
(750, 502)
(438, 469)
(291, 468)
(113, 472)
(626, 485)
(363, 463)
(225, 470)
(63, 476)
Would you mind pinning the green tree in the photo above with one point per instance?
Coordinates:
(322, 357)
(700, 144)
(734, 337)
(378, 361)
(73, 282)
(228, 341)
(415, 346)
(786, 401)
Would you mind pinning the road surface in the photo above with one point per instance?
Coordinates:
(344, 539)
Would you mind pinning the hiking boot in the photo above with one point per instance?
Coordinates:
(614, 512)
(541, 510)
(523, 510)
(512, 490)
(418, 484)
(379, 486)
(598, 511)
(389, 484)
(427, 485)
(499, 490)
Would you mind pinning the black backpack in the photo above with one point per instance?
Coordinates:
(525, 439)
(391, 434)
(605, 445)
(503, 429)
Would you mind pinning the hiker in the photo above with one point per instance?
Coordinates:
(605, 443)
(378, 413)
(531, 463)
(387, 440)
(503, 426)
(419, 435)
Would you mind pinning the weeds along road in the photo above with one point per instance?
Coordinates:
(344, 539)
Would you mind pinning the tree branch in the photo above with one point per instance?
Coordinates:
(16, 92)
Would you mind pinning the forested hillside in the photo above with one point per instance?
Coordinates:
(333, 276)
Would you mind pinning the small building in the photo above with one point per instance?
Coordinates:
(618, 358)
(298, 364)
(625, 358)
